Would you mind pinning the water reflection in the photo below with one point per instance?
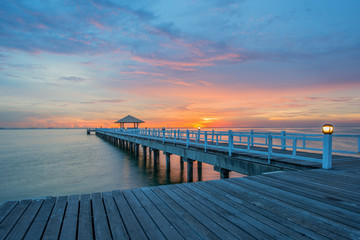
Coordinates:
(153, 166)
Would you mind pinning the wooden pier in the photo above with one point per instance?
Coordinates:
(310, 204)
(89, 130)
(247, 157)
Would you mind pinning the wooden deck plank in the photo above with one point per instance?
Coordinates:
(6, 208)
(305, 201)
(192, 222)
(312, 183)
(134, 229)
(227, 220)
(101, 226)
(85, 227)
(323, 194)
(167, 212)
(117, 227)
(240, 205)
(163, 224)
(261, 223)
(150, 228)
(311, 210)
(25, 220)
(11, 219)
(287, 215)
(333, 180)
(38, 226)
(69, 227)
(237, 225)
(211, 224)
(53, 227)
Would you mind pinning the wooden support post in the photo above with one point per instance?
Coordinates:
(144, 152)
(199, 165)
(224, 173)
(156, 156)
(181, 163)
(167, 161)
(136, 149)
(190, 170)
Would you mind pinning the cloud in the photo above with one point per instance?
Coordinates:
(104, 101)
(72, 79)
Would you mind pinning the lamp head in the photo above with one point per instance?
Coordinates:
(327, 129)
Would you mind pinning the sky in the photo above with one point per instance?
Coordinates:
(180, 63)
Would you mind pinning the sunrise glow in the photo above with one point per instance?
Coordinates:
(179, 63)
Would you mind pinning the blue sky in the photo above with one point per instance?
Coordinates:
(179, 63)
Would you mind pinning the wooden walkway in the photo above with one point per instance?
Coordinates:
(311, 204)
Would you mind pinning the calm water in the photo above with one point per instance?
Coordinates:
(53, 162)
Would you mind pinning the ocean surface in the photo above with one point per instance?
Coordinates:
(53, 162)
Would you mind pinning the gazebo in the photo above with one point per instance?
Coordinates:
(129, 119)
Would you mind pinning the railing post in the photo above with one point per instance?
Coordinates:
(212, 136)
(283, 140)
(205, 139)
(231, 142)
(294, 147)
(198, 136)
(217, 140)
(270, 143)
(252, 138)
(187, 138)
(327, 152)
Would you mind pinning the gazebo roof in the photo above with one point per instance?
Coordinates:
(129, 119)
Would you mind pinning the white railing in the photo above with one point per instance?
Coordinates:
(280, 144)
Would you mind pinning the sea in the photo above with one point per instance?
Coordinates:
(54, 162)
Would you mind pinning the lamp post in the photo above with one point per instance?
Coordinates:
(163, 129)
(327, 129)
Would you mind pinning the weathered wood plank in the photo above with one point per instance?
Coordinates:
(116, 223)
(192, 222)
(37, 228)
(286, 215)
(167, 212)
(327, 210)
(203, 218)
(53, 227)
(227, 220)
(6, 208)
(150, 228)
(85, 228)
(101, 226)
(134, 229)
(323, 194)
(263, 225)
(236, 204)
(312, 183)
(310, 211)
(11, 219)
(69, 226)
(162, 223)
(26, 219)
